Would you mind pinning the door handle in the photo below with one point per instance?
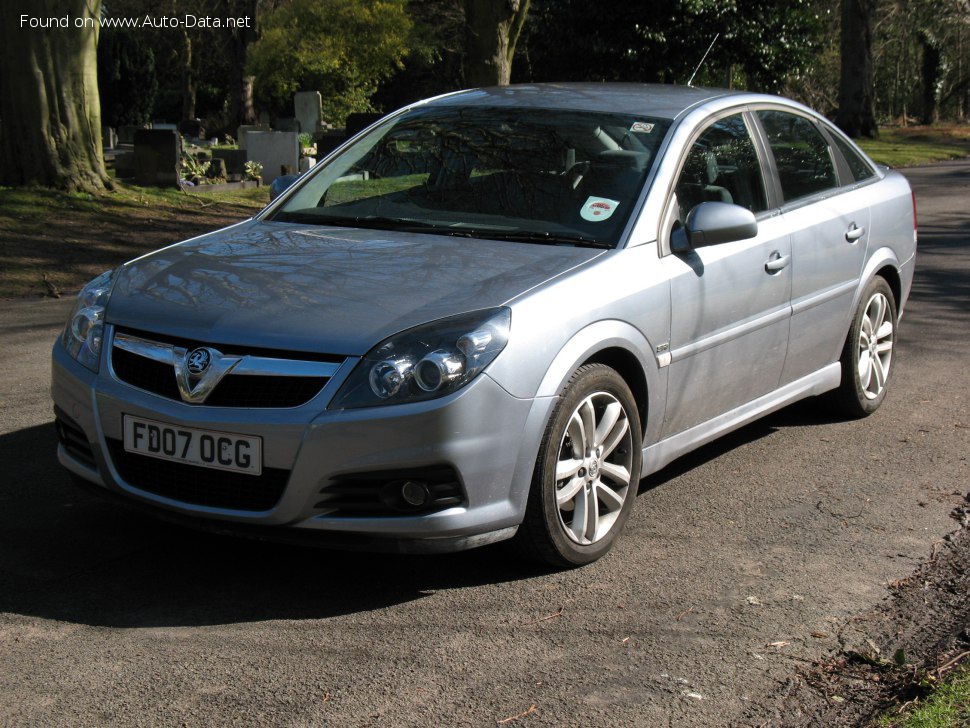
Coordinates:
(854, 233)
(776, 262)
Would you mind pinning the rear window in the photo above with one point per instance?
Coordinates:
(805, 166)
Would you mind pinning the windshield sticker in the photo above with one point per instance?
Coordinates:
(642, 126)
(597, 209)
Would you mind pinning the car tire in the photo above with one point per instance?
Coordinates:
(867, 355)
(584, 484)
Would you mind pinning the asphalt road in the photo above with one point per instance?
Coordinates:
(739, 564)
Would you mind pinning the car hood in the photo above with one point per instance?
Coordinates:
(323, 289)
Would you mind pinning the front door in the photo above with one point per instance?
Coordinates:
(730, 303)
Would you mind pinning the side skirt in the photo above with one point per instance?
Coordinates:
(662, 453)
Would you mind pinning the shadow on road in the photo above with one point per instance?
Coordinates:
(69, 555)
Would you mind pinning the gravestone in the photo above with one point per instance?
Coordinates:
(109, 138)
(328, 141)
(235, 159)
(192, 128)
(308, 107)
(306, 164)
(163, 126)
(157, 157)
(217, 169)
(274, 150)
(245, 129)
(287, 125)
(125, 164)
(126, 134)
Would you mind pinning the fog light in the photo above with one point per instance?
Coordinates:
(414, 493)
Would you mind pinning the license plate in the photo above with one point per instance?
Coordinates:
(205, 448)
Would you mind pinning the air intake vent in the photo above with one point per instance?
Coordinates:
(200, 486)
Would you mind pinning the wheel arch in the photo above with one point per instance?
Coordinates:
(627, 366)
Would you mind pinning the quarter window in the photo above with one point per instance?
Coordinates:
(859, 168)
(802, 155)
(722, 166)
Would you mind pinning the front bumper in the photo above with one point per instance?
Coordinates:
(485, 435)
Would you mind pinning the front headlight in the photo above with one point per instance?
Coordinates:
(428, 361)
(84, 332)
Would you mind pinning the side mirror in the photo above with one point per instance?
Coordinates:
(711, 223)
(279, 185)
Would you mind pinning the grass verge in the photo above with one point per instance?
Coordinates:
(948, 706)
(55, 241)
(915, 145)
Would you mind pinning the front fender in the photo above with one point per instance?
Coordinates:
(585, 345)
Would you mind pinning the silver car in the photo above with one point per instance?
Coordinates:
(488, 316)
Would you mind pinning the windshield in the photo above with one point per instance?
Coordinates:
(531, 175)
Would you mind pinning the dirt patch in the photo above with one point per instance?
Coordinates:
(895, 653)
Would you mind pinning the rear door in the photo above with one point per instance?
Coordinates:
(829, 227)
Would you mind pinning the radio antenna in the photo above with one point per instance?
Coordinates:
(703, 58)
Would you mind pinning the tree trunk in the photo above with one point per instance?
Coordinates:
(49, 107)
(492, 28)
(189, 90)
(241, 107)
(856, 115)
(932, 72)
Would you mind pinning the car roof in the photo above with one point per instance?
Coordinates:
(646, 99)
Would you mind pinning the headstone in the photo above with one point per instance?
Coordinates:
(192, 128)
(287, 125)
(126, 134)
(274, 150)
(217, 169)
(356, 123)
(306, 164)
(157, 157)
(162, 126)
(246, 128)
(328, 141)
(109, 138)
(124, 165)
(235, 159)
(308, 107)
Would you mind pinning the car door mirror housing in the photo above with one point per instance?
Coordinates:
(711, 223)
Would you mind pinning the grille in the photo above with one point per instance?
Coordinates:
(73, 439)
(235, 390)
(378, 493)
(147, 374)
(199, 486)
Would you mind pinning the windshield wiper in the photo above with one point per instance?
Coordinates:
(375, 222)
(545, 238)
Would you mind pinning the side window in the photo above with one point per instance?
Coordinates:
(722, 166)
(857, 165)
(802, 156)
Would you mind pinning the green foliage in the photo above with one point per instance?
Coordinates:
(342, 48)
(127, 79)
(767, 40)
(254, 170)
(192, 167)
(947, 707)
